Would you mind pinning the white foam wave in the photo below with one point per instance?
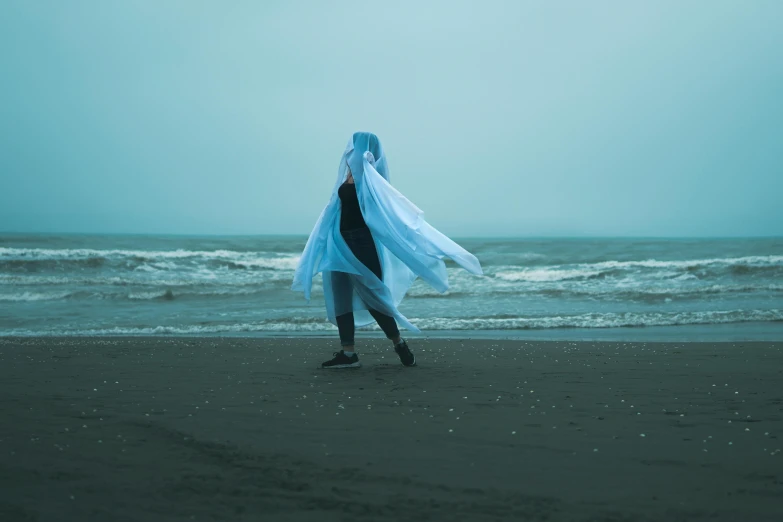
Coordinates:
(604, 320)
(665, 269)
(34, 296)
(137, 295)
(199, 277)
(596, 320)
(144, 296)
(756, 261)
(543, 275)
(260, 259)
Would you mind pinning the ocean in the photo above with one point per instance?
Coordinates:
(532, 288)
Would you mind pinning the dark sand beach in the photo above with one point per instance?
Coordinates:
(147, 429)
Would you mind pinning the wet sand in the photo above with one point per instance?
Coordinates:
(149, 429)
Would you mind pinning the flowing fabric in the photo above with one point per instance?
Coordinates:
(408, 247)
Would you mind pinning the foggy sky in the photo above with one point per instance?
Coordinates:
(498, 118)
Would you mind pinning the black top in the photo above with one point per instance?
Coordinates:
(351, 215)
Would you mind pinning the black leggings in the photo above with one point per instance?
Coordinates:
(361, 243)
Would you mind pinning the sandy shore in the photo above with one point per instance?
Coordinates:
(151, 429)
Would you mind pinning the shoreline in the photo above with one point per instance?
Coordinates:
(727, 332)
(240, 428)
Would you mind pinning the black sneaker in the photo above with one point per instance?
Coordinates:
(406, 356)
(342, 361)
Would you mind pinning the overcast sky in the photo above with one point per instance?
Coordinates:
(498, 118)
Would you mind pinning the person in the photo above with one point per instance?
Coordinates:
(371, 243)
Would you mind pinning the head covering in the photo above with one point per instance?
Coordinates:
(408, 247)
(353, 156)
(367, 142)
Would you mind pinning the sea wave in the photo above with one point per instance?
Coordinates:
(184, 279)
(636, 291)
(661, 269)
(14, 258)
(751, 261)
(547, 274)
(34, 296)
(52, 288)
(313, 324)
(602, 320)
(141, 294)
(288, 261)
(40, 274)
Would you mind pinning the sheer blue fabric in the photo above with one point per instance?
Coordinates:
(408, 247)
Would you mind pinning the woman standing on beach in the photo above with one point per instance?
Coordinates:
(371, 243)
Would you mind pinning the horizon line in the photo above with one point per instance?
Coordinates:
(305, 235)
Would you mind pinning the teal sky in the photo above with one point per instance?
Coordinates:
(499, 118)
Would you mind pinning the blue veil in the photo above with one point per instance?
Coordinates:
(408, 247)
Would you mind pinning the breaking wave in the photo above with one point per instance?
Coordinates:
(311, 324)
(36, 259)
(233, 285)
(663, 269)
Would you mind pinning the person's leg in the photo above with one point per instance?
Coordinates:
(345, 358)
(368, 255)
(365, 251)
(347, 329)
(388, 325)
(342, 290)
(342, 293)
(363, 247)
